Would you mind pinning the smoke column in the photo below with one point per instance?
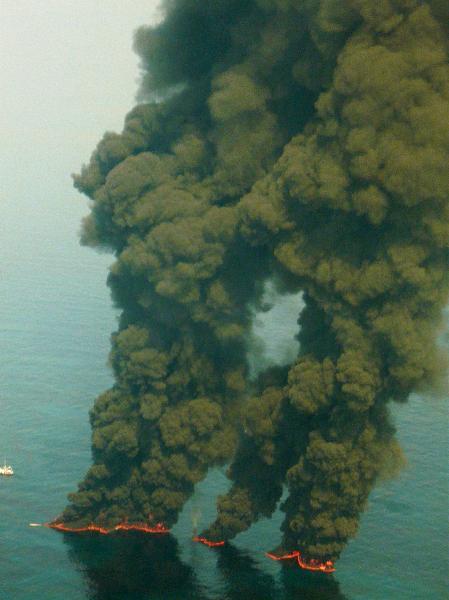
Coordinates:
(300, 142)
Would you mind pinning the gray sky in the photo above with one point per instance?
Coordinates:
(67, 74)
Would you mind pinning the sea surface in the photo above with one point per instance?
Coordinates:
(55, 321)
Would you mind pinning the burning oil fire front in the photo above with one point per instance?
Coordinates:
(159, 528)
(209, 543)
(311, 564)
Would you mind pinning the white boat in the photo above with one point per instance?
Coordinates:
(6, 470)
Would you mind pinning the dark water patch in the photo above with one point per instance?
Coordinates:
(132, 566)
(140, 567)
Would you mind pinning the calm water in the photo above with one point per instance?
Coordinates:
(55, 321)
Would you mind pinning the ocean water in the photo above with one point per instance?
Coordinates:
(55, 320)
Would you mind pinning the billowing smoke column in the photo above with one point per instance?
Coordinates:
(305, 142)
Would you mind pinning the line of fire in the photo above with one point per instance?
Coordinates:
(159, 528)
(307, 564)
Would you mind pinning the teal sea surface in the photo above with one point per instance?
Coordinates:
(55, 319)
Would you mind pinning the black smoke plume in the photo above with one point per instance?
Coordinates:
(303, 142)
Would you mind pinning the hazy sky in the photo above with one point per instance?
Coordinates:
(67, 74)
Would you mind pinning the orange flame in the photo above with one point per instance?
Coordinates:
(312, 564)
(158, 528)
(90, 527)
(124, 526)
(206, 542)
(293, 554)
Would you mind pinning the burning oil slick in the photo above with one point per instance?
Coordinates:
(305, 143)
(142, 527)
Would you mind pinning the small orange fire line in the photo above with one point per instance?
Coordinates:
(159, 528)
(311, 565)
(206, 542)
(293, 554)
(62, 527)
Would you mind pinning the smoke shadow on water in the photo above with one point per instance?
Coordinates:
(133, 566)
(302, 585)
(138, 567)
(242, 577)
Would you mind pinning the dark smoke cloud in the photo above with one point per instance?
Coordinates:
(305, 143)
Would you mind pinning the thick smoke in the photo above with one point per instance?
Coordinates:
(302, 142)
